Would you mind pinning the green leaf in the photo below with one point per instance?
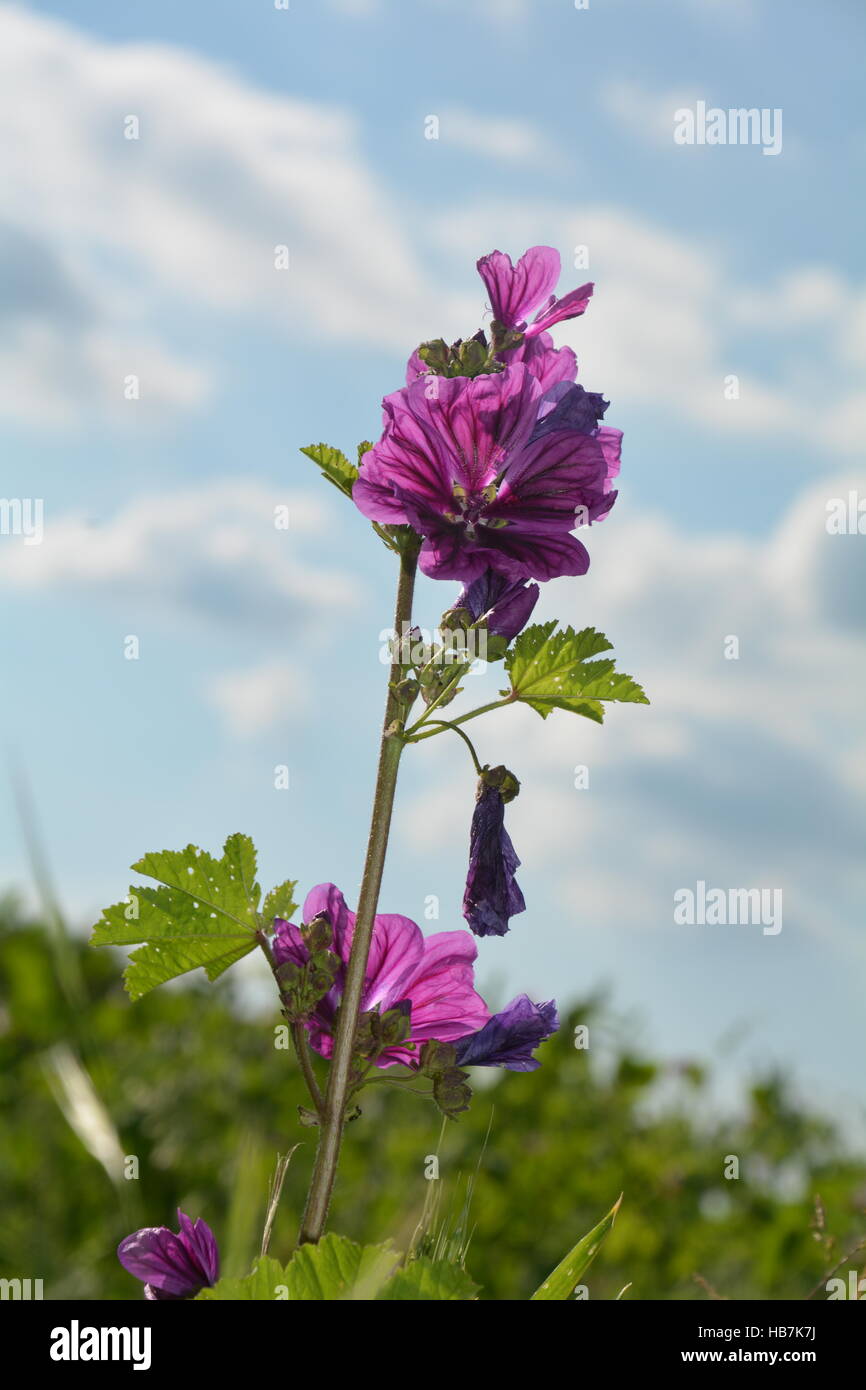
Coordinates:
(568, 1274)
(551, 669)
(334, 465)
(204, 914)
(280, 902)
(427, 1280)
(268, 1281)
(363, 448)
(338, 1269)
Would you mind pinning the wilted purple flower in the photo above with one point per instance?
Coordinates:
(505, 605)
(172, 1266)
(492, 895)
(509, 1038)
(460, 461)
(433, 975)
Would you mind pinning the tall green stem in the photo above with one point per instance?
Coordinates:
(334, 1110)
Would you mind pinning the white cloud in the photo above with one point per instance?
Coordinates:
(214, 551)
(668, 325)
(255, 700)
(189, 213)
(647, 115)
(506, 138)
(742, 772)
(357, 9)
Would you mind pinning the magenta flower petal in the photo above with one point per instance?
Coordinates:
(396, 949)
(432, 975)
(516, 290)
(172, 1266)
(570, 306)
(545, 362)
(610, 441)
(476, 467)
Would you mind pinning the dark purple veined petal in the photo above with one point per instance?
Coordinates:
(492, 896)
(567, 405)
(510, 1037)
(505, 605)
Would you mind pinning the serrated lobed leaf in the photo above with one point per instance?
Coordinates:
(426, 1280)
(204, 913)
(280, 902)
(225, 886)
(551, 669)
(265, 1284)
(339, 1269)
(334, 466)
(156, 964)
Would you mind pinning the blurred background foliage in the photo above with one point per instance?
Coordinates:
(201, 1097)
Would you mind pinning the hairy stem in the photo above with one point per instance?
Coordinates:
(336, 1094)
(305, 1061)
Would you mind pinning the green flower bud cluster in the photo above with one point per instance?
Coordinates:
(438, 1061)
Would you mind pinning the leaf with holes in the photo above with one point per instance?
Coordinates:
(280, 902)
(205, 913)
(551, 669)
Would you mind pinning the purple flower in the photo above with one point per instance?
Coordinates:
(492, 895)
(172, 1266)
(509, 1038)
(433, 976)
(515, 291)
(566, 405)
(504, 605)
(460, 461)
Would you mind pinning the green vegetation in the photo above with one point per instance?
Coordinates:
(204, 1101)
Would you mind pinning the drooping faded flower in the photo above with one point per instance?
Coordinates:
(172, 1266)
(492, 894)
(509, 1038)
(475, 466)
(429, 979)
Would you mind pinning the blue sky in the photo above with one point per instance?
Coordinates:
(155, 257)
